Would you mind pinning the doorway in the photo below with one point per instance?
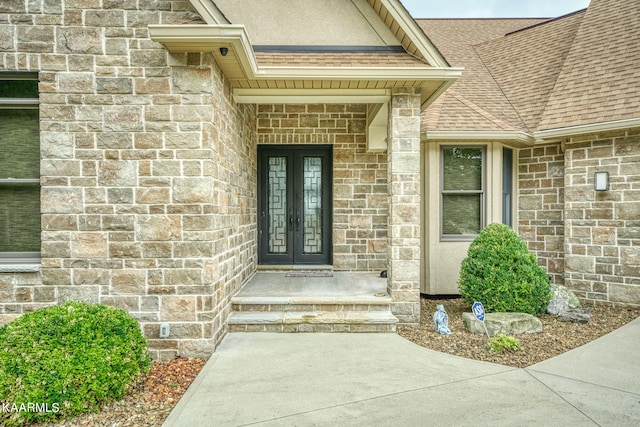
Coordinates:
(294, 204)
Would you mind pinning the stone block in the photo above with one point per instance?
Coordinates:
(123, 118)
(628, 211)
(85, 40)
(113, 85)
(580, 264)
(196, 348)
(627, 294)
(56, 200)
(56, 145)
(117, 173)
(128, 282)
(503, 323)
(88, 294)
(177, 309)
(192, 80)
(158, 227)
(89, 245)
(193, 190)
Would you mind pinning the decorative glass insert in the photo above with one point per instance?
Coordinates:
(462, 191)
(277, 205)
(312, 167)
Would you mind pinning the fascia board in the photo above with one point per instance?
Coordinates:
(546, 136)
(415, 33)
(208, 12)
(516, 137)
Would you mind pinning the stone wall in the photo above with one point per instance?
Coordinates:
(603, 227)
(360, 205)
(148, 170)
(541, 205)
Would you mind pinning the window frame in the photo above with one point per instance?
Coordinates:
(19, 261)
(482, 193)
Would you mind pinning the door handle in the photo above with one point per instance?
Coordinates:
(298, 219)
(290, 219)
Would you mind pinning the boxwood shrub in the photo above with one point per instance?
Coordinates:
(64, 360)
(501, 273)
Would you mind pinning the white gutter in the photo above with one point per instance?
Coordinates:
(517, 137)
(550, 135)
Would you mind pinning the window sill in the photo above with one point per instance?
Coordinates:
(19, 268)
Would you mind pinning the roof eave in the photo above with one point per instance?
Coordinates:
(511, 137)
(239, 61)
(559, 134)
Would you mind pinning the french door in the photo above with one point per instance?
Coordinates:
(294, 204)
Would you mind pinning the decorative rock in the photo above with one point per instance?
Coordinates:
(575, 315)
(561, 299)
(503, 323)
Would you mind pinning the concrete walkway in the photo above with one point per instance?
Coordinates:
(383, 380)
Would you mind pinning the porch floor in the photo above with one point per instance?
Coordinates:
(347, 286)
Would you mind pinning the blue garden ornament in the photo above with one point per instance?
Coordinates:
(441, 320)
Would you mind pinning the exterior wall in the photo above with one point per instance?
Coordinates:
(360, 204)
(148, 171)
(603, 227)
(541, 205)
(443, 258)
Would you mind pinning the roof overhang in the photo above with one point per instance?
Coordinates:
(554, 135)
(233, 51)
(512, 138)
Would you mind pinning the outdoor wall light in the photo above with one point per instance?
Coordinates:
(601, 181)
(224, 51)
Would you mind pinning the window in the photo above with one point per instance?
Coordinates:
(462, 192)
(19, 169)
(507, 186)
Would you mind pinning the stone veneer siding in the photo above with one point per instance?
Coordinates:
(404, 243)
(541, 205)
(148, 170)
(360, 202)
(603, 227)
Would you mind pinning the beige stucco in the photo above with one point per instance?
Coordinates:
(442, 258)
(309, 22)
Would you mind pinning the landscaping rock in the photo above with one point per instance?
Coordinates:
(561, 299)
(503, 323)
(575, 315)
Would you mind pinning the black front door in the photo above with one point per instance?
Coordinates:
(294, 204)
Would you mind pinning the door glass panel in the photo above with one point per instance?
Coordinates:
(277, 205)
(312, 205)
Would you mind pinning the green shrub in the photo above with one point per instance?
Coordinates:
(502, 274)
(502, 343)
(68, 359)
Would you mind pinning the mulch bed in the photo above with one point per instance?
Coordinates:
(148, 404)
(557, 337)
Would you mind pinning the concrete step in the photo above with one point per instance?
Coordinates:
(312, 321)
(312, 314)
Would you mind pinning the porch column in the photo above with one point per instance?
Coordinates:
(403, 241)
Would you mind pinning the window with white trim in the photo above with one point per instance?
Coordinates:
(462, 192)
(19, 169)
